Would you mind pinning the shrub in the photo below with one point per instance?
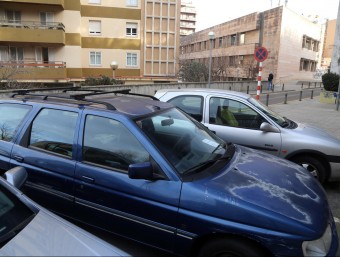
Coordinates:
(330, 81)
(102, 80)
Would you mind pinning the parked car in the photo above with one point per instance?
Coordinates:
(27, 229)
(145, 170)
(237, 117)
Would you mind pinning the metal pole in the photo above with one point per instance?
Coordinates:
(312, 93)
(267, 100)
(210, 58)
(259, 82)
(300, 96)
(286, 96)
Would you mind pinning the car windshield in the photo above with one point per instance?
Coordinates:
(14, 215)
(186, 143)
(281, 121)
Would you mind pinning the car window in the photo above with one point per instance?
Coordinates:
(109, 143)
(11, 117)
(53, 131)
(193, 105)
(227, 112)
(13, 215)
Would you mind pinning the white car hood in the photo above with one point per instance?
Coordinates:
(48, 235)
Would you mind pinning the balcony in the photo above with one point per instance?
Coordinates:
(34, 69)
(45, 2)
(32, 32)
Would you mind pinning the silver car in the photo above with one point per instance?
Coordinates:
(27, 229)
(237, 117)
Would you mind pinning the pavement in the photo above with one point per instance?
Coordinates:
(323, 115)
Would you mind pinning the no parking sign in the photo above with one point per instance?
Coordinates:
(260, 54)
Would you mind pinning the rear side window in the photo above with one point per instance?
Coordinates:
(11, 116)
(109, 143)
(192, 105)
(53, 131)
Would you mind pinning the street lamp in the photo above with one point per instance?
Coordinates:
(211, 37)
(114, 67)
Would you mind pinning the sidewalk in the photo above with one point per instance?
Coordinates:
(313, 112)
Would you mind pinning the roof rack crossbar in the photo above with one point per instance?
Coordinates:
(82, 96)
(25, 91)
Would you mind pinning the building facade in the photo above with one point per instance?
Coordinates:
(294, 44)
(71, 40)
(188, 18)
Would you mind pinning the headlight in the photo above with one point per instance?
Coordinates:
(319, 247)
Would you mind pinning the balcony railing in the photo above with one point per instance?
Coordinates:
(32, 24)
(32, 64)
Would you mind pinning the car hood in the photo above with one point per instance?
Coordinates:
(258, 189)
(48, 235)
(314, 131)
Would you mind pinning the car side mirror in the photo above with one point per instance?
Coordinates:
(266, 127)
(16, 176)
(141, 171)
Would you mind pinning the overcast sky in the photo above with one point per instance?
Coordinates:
(213, 12)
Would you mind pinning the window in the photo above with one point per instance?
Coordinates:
(233, 40)
(95, 58)
(46, 18)
(53, 131)
(94, 27)
(3, 53)
(13, 16)
(109, 143)
(193, 105)
(132, 2)
(131, 29)
(226, 112)
(242, 38)
(131, 59)
(11, 117)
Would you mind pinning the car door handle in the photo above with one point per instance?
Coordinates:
(18, 158)
(87, 179)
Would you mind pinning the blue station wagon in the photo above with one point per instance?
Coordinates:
(145, 170)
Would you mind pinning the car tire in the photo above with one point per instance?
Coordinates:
(313, 165)
(230, 247)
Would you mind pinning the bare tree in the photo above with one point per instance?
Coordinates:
(193, 71)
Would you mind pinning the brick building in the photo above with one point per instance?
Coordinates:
(294, 44)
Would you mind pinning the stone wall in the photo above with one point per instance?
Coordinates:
(241, 86)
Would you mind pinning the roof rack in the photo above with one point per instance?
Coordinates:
(81, 96)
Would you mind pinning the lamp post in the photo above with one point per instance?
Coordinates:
(114, 67)
(211, 37)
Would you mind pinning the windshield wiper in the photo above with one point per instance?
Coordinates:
(14, 231)
(228, 154)
(223, 145)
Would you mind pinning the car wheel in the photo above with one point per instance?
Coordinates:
(313, 165)
(224, 247)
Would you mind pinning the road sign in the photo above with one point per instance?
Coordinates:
(260, 54)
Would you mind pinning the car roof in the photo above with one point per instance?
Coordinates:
(126, 103)
(206, 91)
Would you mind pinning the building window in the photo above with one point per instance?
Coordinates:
(132, 2)
(233, 40)
(46, 18)
(242, 38)
(94, 1)
(94, 27)
(131, 29)
(232, 60)
(131, 59)
(13, 16)
(95, 58)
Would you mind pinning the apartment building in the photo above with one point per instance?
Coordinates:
(71, 40)
(293, 43)
(188, 18)
(328, 44)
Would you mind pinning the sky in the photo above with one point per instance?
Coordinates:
(213, 12)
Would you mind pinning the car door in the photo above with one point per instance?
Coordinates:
(236, 121)
(11, 118)
(46, 148)
(140, 209)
